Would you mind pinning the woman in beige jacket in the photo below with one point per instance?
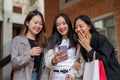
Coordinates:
(27, 48)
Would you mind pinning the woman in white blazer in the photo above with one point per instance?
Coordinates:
(58, 62)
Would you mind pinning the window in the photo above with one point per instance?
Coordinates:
(106, 26)
(67, 3)
(16, 29)
(17, 9)
(32, 2)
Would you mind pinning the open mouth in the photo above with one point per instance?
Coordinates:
(62, 30)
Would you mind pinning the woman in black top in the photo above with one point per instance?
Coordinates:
(38, 60)
(90, 41)
(35, 28)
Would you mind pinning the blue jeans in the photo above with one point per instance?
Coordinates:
(34, 75)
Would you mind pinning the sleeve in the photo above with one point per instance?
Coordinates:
(18, 60)
(104, 50)
(77, 74)
(48, 58)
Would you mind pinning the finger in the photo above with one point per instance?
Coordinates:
(59, 57)
(59, 52)
(34, 54)
(36, 47)
(41, 50)
(76, 65)
(79, 41)
(63, 56)
(37, 51)
(79, 36)
(87, 37)
(67, 77)
(83, 35)
(62, 59)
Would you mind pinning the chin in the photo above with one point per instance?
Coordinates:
(36, 33)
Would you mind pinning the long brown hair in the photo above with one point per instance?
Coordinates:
(40, 37)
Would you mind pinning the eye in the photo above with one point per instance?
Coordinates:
(57, 24)
(64, 23)
(76, 26)
(41, 23)
(35, 22)
(80, 26)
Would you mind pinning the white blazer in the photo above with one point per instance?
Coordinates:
(76, 74)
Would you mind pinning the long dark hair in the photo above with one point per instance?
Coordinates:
(87, 20)
(56, 37)
(40, 37)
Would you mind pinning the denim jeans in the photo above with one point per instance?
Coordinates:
(34, 75)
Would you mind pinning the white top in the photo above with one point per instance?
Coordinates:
(67, 64)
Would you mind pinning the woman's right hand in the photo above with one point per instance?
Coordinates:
(36, 51)
(59, 58)
(76, 65)
(84, 40)
(68, 77)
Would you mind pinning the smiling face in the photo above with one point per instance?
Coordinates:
(81, 26)
(35, 25)
(62, 26)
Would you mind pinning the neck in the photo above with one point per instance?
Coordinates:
(64, 37)
(30, 36)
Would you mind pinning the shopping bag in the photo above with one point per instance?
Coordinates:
(94, 70)
(91, 71)
(102, 71)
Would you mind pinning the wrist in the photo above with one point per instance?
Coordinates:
(89, 49)
(53, 62)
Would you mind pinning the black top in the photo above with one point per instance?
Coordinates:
(37, 59)
(105, 52)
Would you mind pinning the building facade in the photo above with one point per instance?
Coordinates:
(12, 15)
(105, 15)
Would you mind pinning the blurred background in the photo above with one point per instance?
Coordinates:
(105, 15)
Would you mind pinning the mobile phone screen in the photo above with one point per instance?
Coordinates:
(63, 48)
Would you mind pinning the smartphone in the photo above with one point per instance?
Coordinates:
(63, 48)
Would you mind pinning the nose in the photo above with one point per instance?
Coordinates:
(78, 29)
(61, 26)
(38, 25)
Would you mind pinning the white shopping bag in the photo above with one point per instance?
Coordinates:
(91, 71)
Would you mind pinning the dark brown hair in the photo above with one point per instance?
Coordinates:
(40, 37)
